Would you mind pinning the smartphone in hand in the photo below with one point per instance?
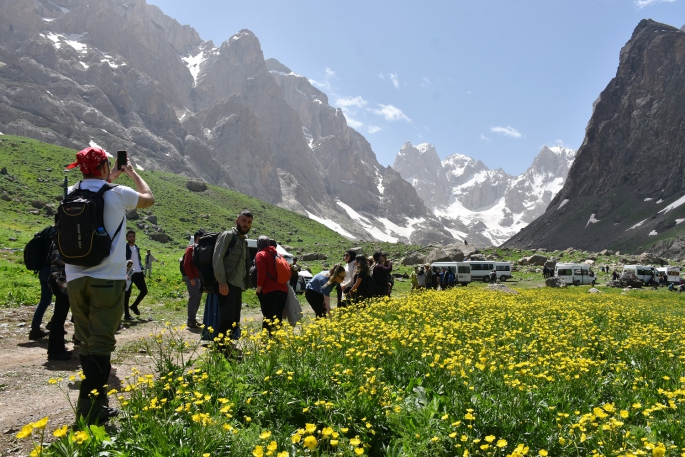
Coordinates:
(122, 159)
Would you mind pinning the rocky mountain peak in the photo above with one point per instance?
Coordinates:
(625, 188)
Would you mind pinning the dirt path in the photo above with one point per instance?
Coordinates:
(26, 395)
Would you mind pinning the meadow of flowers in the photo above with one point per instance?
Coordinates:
(461, 372)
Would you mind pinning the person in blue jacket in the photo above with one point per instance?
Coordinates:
(318, 292)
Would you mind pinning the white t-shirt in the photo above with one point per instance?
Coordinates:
(117, 201)
(136, 267)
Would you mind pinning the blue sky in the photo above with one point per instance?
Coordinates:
(492, 79)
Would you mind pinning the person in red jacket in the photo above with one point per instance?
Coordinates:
(192, 280)
(271, 294)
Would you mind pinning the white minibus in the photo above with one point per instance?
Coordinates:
(480, 269)
(575, 273)
(672, 274)
(461, 270)
(644, 272)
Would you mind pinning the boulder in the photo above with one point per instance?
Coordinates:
(322, 257)
(537, 260)
(37, 204)
(555, 282)
(550, 264)
(196, 186)
(615, 283)
(647, 258)
(523, 261)
(413, 259)
(450, 253)
(3, 171)
(310, 256)
(151, 219)
(160, 237)
(6, 197)
(595, 291)
(629, 279)
(606, 252)
(589, 262)
(480, 257)
(132, 215)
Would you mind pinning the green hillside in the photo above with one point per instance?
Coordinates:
(32, 176)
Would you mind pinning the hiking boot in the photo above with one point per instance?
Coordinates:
(135, 310)
(193, 324)
(128, 318)
(37, 334)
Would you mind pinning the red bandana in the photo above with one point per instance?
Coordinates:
(89, 160)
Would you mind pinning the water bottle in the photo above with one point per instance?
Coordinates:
(100, 231)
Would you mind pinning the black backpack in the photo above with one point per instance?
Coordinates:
(180, 265)
(37, 250)
(81, 235)
(203, 252)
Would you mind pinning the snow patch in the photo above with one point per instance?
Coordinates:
(48, 19)
(353, 214)
(196, 62)
(653, 233)
(648, 199)
(139, 167)
(659, 201)
(592, 220)
(677, 221)
(380, 186)
(561, 205)
(308, 135)
(674, 205)
(83, 64)
(208, 133)
(637, 225)
(330, 224)
(93, 144)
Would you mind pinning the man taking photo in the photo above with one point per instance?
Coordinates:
(96, 293)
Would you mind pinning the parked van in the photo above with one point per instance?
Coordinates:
(503, 270)
(644, 272)
(672, 274)
(575, 273)
(480, 269)
(461, 270)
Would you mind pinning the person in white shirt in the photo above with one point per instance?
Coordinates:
(350, 267)
(137, 275)
(96, 293)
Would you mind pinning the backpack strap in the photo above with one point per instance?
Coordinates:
(107, 186)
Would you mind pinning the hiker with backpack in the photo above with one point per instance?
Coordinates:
(273, 277)
(363, 286)
(191, 277)
(318, 292)
(230, 269)
(96, 270)
(36, 258)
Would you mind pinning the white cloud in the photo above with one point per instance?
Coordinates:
(395, 81)
(329, 73)
(643, 3)
(507, 131)
(390, 113)
(393, 77)
(374, 129)
(348, 102)
(326, 85)
(486, 139)
(353, 123)
(426, 82)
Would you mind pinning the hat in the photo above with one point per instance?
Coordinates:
(89, 160)
(262, 242)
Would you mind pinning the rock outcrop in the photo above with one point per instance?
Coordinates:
(626, 188)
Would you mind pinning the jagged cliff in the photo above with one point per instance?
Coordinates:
(122, 75)
(625, 189)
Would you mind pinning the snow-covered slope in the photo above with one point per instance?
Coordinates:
(492, 204)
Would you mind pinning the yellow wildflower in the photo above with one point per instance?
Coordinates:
(60, 432)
